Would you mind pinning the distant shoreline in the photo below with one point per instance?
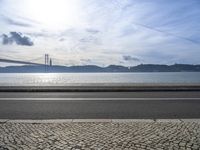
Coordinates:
(98, 69)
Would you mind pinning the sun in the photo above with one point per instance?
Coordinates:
(54, 14)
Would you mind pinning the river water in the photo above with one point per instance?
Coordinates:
(65, 79)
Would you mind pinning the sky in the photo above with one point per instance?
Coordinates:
(101, 32)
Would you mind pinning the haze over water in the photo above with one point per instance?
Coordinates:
(65, 79)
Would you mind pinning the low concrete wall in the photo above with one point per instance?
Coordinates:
(103, 88)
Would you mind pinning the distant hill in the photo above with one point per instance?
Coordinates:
(165, 68)
(93, 68)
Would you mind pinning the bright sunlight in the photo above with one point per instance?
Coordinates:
(53, 14)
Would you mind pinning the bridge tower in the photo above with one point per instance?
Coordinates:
(46, 59)
(46, 62)
(50, 62)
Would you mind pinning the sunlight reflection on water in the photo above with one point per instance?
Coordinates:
(61, 79)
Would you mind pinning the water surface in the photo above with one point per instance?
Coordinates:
(64, 79)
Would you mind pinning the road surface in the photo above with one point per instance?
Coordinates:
(99, 105)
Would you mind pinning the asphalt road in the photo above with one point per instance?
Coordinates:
(99, 105)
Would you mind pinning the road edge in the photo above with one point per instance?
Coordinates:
(197, 120)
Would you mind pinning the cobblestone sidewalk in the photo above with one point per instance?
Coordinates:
(97, 136)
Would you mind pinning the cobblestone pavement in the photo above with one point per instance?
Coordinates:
(97, 136)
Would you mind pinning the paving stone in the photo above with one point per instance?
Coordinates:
(102, 135)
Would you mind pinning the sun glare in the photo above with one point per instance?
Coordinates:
(54, 14)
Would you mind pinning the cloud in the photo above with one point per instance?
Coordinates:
(62, 39)
(16, 22)
(130, 58)
(92, 31)
(86, 61)
(87, 39)
(90, 39)
(17, 38)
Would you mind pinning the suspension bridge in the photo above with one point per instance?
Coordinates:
(47, 61)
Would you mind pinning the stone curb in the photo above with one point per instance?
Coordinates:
(132, 120)
(99, 121)
(3, 120)
(92, 120)
(42, 121)
(190, 120)
(169, 120)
